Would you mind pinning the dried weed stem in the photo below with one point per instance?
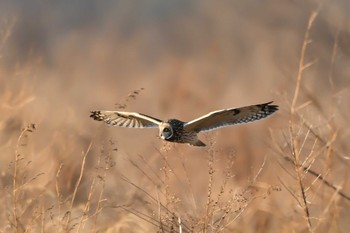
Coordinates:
(16, 185)
(296, 149)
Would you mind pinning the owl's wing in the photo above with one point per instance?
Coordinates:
(126, 119)
(226, 117)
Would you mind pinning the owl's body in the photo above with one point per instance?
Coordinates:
(178, 131)
(180, 134)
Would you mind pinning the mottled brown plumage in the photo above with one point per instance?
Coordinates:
(186, 132)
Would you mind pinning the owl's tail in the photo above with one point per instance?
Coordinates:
(197, 143)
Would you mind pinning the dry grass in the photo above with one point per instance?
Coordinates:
(63, 172)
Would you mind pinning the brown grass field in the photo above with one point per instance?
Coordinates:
(61, 171)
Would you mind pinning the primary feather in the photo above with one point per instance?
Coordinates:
(226, 117)
(126, 119)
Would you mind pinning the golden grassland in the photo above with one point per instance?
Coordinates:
(63, 172)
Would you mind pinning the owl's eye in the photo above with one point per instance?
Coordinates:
(166, 130)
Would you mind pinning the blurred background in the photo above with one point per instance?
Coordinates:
(61, 59)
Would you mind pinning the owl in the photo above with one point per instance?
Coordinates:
(178, 131)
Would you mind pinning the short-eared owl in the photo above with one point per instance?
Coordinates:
(186, 132)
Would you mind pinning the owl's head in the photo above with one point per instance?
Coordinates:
(165, 131)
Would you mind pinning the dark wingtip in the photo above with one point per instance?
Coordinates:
(270, 107)
(96, 115)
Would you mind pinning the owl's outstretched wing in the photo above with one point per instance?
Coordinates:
(226, 117)
(126, 119)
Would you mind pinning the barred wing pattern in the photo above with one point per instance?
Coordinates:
(226, 117)
(126, 119)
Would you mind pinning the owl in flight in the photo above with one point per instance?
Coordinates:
(178, 131)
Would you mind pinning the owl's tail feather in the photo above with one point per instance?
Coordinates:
(197, 143)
